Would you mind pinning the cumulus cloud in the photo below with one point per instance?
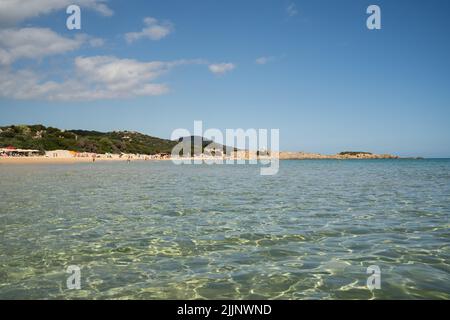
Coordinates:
(121, 75)
(153, 30)
(15, 11)
(36, 43)
(221, 68)
(23, 84)
(33, 43)
(291, 10)
(97, 77)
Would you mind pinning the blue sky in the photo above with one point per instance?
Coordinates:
(327, 82)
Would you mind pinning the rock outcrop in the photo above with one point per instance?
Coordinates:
(343, 155)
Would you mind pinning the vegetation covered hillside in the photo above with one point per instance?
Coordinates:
(47, 138)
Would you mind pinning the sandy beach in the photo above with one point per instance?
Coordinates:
(243, 156)
(50, 160)
(34, 160)
(45, 160)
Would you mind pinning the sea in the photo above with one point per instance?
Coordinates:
(319, 229)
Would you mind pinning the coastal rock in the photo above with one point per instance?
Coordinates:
(284, 155)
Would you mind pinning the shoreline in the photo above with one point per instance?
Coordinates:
(49, 160)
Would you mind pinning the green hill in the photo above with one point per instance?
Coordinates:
(47, 138)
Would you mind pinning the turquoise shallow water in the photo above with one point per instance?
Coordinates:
(154, 230)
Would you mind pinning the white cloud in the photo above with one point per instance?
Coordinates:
(33, 43)
(119, 74)
(291, 10)
(36, 43)
(221, 68)
(14, 11)
(153, 30)
(23, 84)
(97, 77)
(264, 60)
